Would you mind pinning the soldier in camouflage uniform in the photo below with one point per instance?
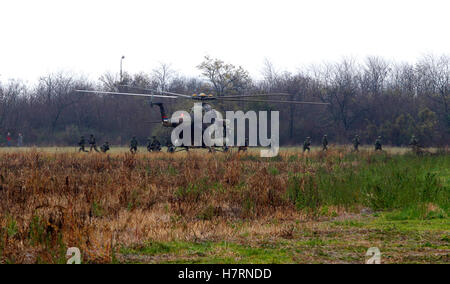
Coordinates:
(324, 143)
(170, 146)
(356, 143)
(154, 146)
(149, 144)
(307, 144)
(414, 143)
(81, 144)
(378, 146)
(92, 143)
(133, 145)
(105, 147)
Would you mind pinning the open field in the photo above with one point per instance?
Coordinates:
(224, 208)
(142, 150)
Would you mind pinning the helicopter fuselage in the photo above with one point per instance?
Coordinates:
(176, 121)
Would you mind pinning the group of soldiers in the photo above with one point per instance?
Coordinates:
(93, 145)
(414, 143)
(153, 145)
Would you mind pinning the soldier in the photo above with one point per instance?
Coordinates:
(356, 143)
(170, 146)
(306, 144)
(414, 143)
(92, 143)
(243, 148)
(149, 144)
(325, 143)
(20, 140)
(133, 145)
(81, 144)
(378, 146)
(8, 139)
(154, 146)
(105, 147)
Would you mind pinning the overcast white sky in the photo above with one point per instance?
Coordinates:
(90, 36)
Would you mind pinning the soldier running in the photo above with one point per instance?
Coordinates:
(356, 143)
(307, 144)
(324, 143)
(92, 143)
(133, 145)
(414, 143)
(378, 146)
(81, 144)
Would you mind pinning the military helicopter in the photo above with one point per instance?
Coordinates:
(204, 99)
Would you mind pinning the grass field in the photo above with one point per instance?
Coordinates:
(124, 149)
(224, 208)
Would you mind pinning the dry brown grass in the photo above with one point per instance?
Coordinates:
(51, 201)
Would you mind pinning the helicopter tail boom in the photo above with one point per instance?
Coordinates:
(164, 118)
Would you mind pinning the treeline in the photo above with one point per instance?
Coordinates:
(372, 98)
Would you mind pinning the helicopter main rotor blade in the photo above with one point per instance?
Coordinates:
(276, 101)
(255, 95)
(156, 91)
(126, 94)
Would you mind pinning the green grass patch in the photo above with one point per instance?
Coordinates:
(329, 242)
(381, 182)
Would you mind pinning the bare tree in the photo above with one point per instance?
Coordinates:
(340, 89)
(57, 92)
(270, 76)
(163, 76)
(375, 73)
(225, 78)
(402, 79)
(9, 96)
(434, 80)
